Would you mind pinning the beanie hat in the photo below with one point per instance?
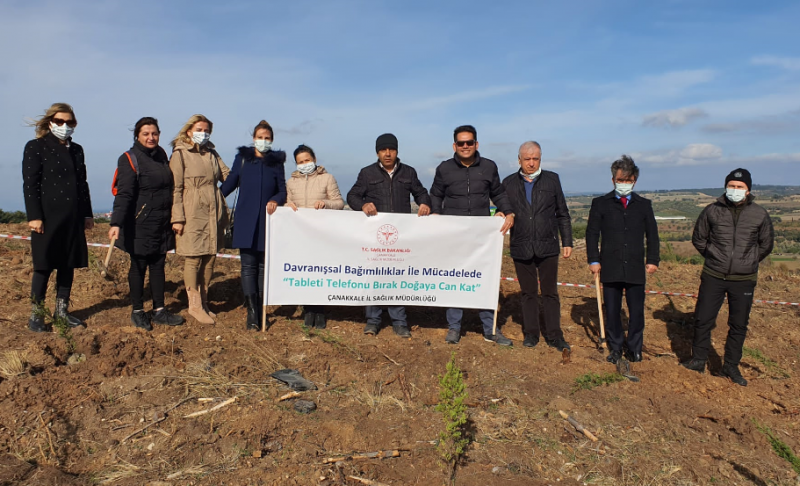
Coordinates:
(387, 140)
(741, 175)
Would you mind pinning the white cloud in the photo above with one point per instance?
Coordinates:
(788, 63)
(701, 151)
(673, 118)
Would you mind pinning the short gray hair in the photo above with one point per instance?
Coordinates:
(530, 144)
(626, 165)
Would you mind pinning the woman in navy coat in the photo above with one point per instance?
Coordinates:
(258, 172)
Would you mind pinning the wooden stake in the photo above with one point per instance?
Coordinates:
(580, 428)
(600, 308)
(363, 455)
(368, 482)
(289, 395)
(212, 409)
(494, 321)
(263, 318)
(104, 271)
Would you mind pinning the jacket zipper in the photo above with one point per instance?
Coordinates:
(735, 221)
(391, 190)
(469, 208)
(305, 196)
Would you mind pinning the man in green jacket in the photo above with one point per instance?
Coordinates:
(734, 234)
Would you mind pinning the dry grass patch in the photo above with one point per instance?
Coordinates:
(13, 364)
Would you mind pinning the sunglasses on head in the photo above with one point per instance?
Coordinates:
(468, 143)
(59, 122)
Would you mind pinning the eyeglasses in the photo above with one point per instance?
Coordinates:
(467, 143)
(59, 122)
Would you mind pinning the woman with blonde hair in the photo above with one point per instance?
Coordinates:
(199, 212)
(258, 173)
(59, 210)
(311, 186)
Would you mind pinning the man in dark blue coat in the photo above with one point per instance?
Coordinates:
(386, 186)
(621, 220)
(466, 185)
(538, 201)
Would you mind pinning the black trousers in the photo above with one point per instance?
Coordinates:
(709, 301)
(530, 273)
(634, 296)
(64, 278)
(139, 266)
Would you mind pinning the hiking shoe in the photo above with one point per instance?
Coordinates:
(453, 336)
(631, 356)
(320, 321)
(36, 322)
(309, 319)
(253, 319)
(401, 330)
(559, 344)
(732, 372)
(371, 329)
(499, 339)
(141, 320)
(698, 365)
(163, 316)
(530, 341)
(61, 312)
(613, 357)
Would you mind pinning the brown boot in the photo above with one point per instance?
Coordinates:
(196, 307)
(204, 300)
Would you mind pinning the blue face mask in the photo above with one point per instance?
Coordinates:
(623, 189)
(263, 146)
(735, 195)
(307, 168)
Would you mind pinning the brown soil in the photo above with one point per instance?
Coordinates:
(67, 424)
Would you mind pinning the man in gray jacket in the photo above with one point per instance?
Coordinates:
(733, 234)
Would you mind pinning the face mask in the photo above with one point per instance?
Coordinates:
(623, 189)
(307, 168)
(533, 176)
(200, 138)
(62, 132)
(263, 146)
(735, 195)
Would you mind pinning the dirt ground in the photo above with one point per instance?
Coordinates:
(74, 424)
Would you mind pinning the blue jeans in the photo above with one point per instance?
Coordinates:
(396, 312)
(252, 271)
(487, 319)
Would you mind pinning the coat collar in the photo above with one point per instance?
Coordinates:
(457, 160)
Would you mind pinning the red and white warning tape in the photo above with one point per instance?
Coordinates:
(509, 279)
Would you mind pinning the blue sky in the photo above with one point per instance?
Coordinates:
(690, 89)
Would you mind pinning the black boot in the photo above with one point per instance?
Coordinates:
(162, 316)
(732, 372)
(36, 321)
(253, 316)
(698, 365)
(309, 319)
(141, 320)
(61, 312)
(320, 321)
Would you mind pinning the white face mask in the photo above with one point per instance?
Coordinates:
(200, 138)
(623, 189)
(62, 132)
(531, 176)
(307, 168)
(263, 146)
(735, 195)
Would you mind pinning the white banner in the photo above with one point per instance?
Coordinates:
(325, 257)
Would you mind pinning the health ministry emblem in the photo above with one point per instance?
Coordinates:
(387, 235)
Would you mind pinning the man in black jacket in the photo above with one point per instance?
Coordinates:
(733, 234)
(465, 185)
(536, 197)
(621, 220)
(385, 186)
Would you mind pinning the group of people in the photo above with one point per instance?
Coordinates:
(178, 202)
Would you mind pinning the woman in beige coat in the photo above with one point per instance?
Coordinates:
(199, 212)
(310, 186)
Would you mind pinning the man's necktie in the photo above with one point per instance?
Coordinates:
(624, 202)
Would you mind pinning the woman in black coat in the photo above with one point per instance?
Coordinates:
(141, 221)
(59, 209)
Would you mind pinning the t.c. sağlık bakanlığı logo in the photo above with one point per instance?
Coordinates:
(387, 235)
